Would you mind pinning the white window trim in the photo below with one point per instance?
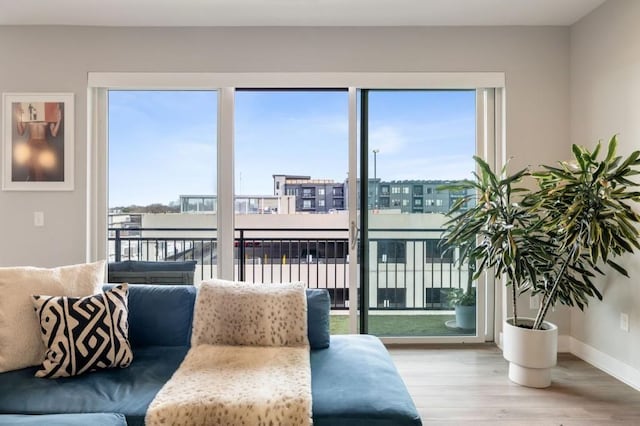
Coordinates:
(97, 168)
(214, 81)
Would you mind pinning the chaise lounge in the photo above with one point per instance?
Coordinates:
(353, 379)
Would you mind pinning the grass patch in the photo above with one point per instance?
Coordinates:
(402, 325)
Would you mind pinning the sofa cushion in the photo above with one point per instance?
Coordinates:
(84, 334)
(81, 419)
(355, 383)
(160, 315)
(318, 315)
(20, 342)
(128, 391)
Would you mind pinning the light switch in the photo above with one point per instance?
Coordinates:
(624, 322)
(38, 219)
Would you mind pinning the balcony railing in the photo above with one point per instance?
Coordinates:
(407, 269)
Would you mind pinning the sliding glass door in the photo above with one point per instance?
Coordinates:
(415, 142)
(343, 189)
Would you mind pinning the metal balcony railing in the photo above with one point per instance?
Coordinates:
(407, 268)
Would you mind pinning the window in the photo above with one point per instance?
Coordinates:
(339, 297)
(321, 192)
(405, 189)
(291, 191)
(308, 192)
(391, 251)
(436, 298)
(392, 166)
(405, 203)
(395, 189)
(150, 133)
(417, 189)
(439, 203)
(434, 252)
(417, 202)
(392, 298)
(338, 192)
(338, 204)
(308, 204)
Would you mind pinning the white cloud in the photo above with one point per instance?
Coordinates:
(451, 167)
(388, 139)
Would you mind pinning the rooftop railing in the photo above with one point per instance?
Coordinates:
(407, 268)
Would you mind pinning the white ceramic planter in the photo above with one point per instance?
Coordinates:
(531, 353)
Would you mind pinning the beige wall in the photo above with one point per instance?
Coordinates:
(605, 99)
(534, 59)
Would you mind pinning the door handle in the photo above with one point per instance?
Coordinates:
(354, 234)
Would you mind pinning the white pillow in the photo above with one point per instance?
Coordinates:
(250, 314)
(20, 342)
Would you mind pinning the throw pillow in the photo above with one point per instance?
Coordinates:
(84, 334)
(318, 317)
(250, 314)
(20, 342)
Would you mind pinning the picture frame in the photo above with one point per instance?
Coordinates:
(37, 142)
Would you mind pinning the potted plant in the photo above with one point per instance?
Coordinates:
(464, 303)
(549, 241)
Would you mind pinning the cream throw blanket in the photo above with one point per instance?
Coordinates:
(237, 385)
(248, 363)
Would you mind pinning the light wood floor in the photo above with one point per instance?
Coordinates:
(469, 385)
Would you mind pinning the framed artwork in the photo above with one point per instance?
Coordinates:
(37, 142)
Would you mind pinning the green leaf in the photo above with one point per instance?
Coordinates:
(613, 145)
(598, 172)
(596, 151)
(618, 268)
(577, 153)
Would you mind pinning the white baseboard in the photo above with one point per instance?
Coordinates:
(618, 369)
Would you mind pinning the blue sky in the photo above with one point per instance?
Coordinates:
(163, 144)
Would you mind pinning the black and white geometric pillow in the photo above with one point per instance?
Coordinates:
(83, 334)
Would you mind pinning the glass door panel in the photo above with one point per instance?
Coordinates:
(162, 179)
(416, 141)
(291, 218)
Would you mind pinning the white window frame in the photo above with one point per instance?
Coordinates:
(491, 144)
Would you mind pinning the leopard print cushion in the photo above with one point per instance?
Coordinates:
(249, 314)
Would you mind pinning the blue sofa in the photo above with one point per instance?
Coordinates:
(354, 381)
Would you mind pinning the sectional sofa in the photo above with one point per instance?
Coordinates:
(354, 381)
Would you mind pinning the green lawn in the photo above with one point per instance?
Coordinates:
(402, 325)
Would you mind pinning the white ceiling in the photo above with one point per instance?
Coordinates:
(293, 12)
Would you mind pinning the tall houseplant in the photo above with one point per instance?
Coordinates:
(554, 239)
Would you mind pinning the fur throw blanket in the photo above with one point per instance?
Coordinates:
(249, 360)
(237, 385)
